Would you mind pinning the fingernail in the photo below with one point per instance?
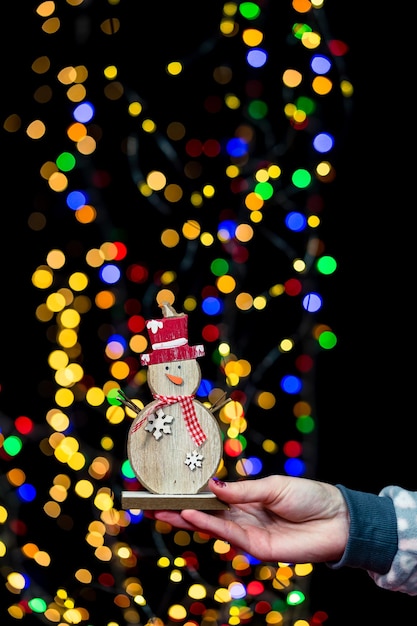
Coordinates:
(218, 481)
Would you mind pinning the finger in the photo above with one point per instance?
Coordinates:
(174, 518)
(215, 525)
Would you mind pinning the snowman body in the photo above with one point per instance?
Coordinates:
(169, 452)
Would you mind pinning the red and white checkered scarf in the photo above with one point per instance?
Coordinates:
(188, 411)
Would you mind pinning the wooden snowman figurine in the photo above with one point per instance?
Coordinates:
(174, 443)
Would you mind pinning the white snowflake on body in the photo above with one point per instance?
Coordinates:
(193, 459)
(159, 424)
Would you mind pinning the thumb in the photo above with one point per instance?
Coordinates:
(265, 490)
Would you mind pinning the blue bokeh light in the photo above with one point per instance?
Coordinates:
(323, 142)
(76, 199)
(257, 57)
(110, 273)
(320, 64)
(27, 492)
(312, 302)
(294, 467)
(84, 112)
(291, 384)
(237, 147)
(212, 305)
(204, 388)
(296, 221)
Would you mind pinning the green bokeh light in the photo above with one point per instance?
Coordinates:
(326, 265)
(250, 10)
(327, 340)
(295, 597)
(66, 162)
(127, 470)
(301, 178)
(12, 445)
(219, 267)
(37, 605)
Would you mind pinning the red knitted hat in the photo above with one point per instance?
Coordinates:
(169, 340)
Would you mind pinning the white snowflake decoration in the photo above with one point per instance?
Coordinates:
(159, 424)
(193, 459)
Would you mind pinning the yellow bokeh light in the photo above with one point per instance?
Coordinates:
(170, 238)
(311, 40)
(174, 68)
(135, 108)
(322, 85)
(221, 547)
(57, 420)
(86, 146)
(70, 318)
(3, 514)
(197, 591)
(104, 500)
(275, 618)
(95, 396)
(16, 580)
(110, 26)
(42, 558)
(84, 488)
(78, 281)
(232, 101)
(292, 78)
(58, 181)
(252, 37)
(42, 277)
(266, 400)
(259, 303)
(55, 259)
(55, 302)
(303, 569)
(36, 129)
(286, 345)
(226, 284)
(191, 229)
(207, 239)
(58, 493)
(176, 576)
(222, 595)
(156, 180)
(177, 612)
(52, 509)
(110, 72)
(64, 397)
(244, 301)
(67, 338)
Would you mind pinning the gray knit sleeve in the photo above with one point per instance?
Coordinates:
(372, 542)
(402, 575)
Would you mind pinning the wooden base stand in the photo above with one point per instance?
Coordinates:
(156, 501)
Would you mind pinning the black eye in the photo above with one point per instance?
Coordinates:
(167, 367)
(179, 367)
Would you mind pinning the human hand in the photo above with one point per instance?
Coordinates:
(276, 518)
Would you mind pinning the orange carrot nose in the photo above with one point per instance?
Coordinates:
(177, 380)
